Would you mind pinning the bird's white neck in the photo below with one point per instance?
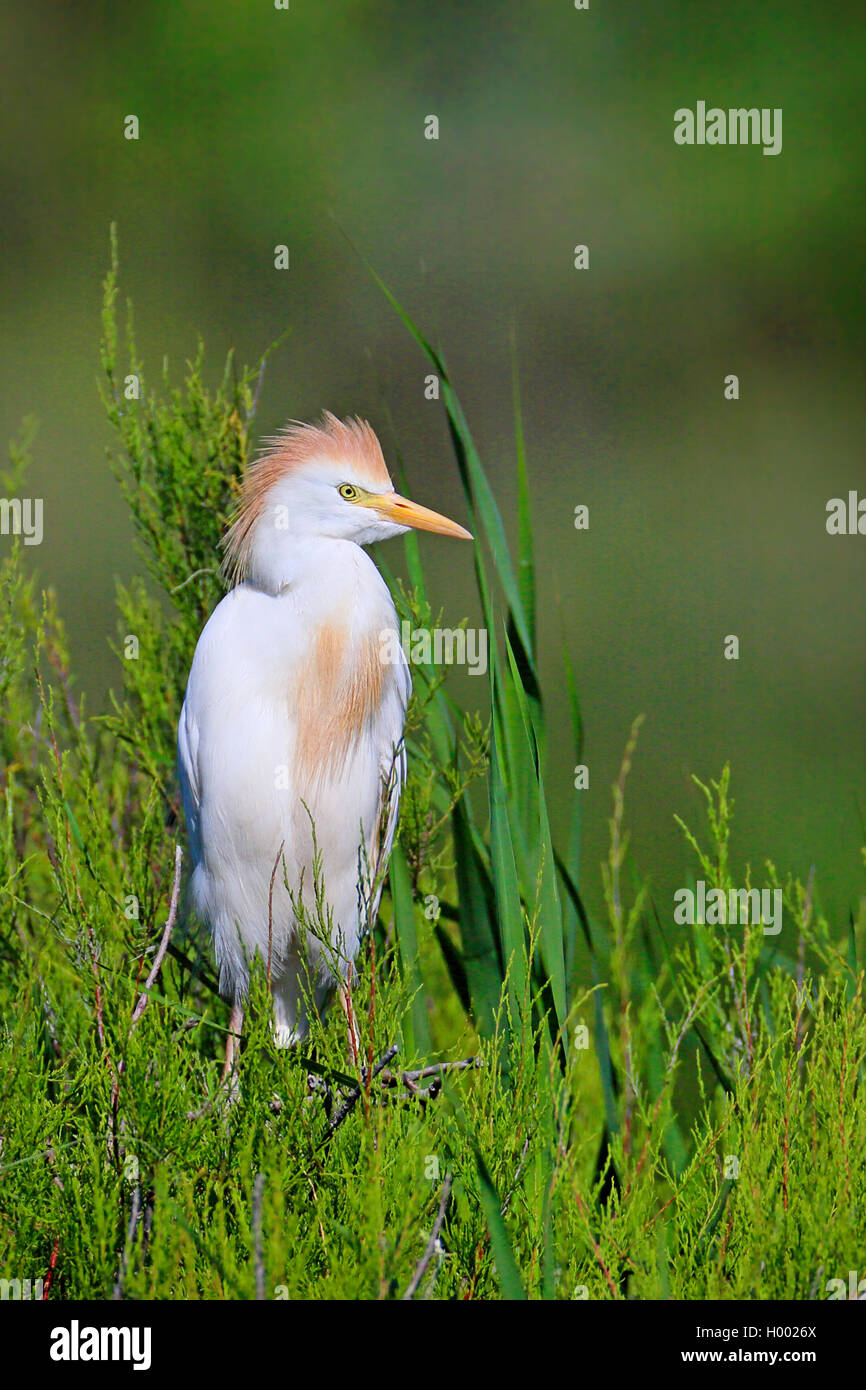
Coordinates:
(292, 562)
(328, 582)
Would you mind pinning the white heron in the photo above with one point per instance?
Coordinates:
(292, 725)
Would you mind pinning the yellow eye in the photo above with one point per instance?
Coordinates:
(349, 492)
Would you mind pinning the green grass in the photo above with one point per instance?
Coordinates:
(656, 1112)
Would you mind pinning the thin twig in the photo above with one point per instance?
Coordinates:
(390, 1080)
(127, 1249)
(163, 945)
(421, 1267)
(357, 1091)
(409, 1078)
(141, 1003)
(271, 910)
(196, 970)
(46, 1283)
(258, 1189)
(189, 579)
(507, 1203)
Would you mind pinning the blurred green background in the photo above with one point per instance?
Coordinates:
(261, 126)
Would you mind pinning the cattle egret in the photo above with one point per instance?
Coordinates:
(291, 732)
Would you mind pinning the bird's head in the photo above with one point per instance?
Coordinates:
(324, 481)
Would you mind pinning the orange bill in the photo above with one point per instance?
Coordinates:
(405, 513)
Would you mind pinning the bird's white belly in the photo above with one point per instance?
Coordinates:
(253, 801)
(251, 806)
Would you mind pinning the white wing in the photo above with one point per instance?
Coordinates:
(187, 769)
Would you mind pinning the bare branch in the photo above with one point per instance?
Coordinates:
(436, 1069)
(141, 1005)
(355, 1094)
(421, 1267)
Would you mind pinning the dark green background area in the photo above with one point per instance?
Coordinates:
(707, 517)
